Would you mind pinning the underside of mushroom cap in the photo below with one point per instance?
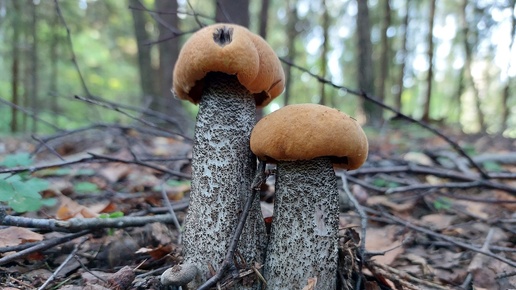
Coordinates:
(230, 49)
(309, 131)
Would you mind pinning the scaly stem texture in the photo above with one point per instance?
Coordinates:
(303, 242)
(222, 171)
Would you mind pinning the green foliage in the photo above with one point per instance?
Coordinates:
(66, 172)
(492, 166)
(116, 214)
(21, 191)
(86, 187)
(20, 159)
(380, 182)
(442, 203)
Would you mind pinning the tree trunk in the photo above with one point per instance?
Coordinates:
(15, 67)
(222, 172)
(264, 19)
(506, 90)
(233, 12)
(33, 97)
(147, 83)
(384, 56)
(54, 71)
(324, 52)
(468, 61)
(168, 52)
(403, 52)
(365, 63)
(430, 74)
(291, 46)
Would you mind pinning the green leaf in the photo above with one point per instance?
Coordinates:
(19, 159)
(6, 190)
(86, 187)
(49, 201)
(23, 204)
(443, 203)
(492, 166)
(23, 194)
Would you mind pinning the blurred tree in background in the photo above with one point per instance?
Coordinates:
(453, 62)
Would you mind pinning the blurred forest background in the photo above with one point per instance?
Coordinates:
(452, 63)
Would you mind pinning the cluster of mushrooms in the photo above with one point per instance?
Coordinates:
(229, 72)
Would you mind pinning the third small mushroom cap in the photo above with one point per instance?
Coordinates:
(233, 50)
(309, 131)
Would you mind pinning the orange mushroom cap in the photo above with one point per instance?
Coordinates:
(309, 131)
(230, 49)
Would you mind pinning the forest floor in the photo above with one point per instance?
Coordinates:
(433, 220)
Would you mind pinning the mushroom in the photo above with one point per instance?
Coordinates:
(306, 141)
(228, 71)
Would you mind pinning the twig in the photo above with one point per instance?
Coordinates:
(178, 12)
(137, 162)
(363, 225)
(42, 246)
(43, 143)
(376, 101)
(97, 126)
(70, 43)
(434, 171)
(259, 178)
(406, 276)
(476, 261)
(414, 187)
(117, 108)
(94, 158)
(196, 15)
(79, 224)
(29, 113)
(171, 210)
(70, 256)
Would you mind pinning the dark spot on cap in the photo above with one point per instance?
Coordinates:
(223, 36)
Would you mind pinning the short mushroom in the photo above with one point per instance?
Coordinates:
(228, 71)
(306, 141)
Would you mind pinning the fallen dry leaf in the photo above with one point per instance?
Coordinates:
(502, 195)
(383, 239)
(13, 236)
(437, 221)
(69, 208)
(385, 201)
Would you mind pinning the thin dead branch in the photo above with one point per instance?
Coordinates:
(80, 224)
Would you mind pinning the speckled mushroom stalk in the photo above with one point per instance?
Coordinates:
(306, 141)
(303, 242)
(221, 67)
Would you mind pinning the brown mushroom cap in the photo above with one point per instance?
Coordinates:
(230, 49)
(309, 131)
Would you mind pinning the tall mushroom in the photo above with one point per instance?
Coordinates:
(228, 71)
(306, 141)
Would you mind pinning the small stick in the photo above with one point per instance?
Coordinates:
(363, 224)
(171, 210)
(70, 256)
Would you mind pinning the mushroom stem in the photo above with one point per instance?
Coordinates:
(222, 171)
(304, 234)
